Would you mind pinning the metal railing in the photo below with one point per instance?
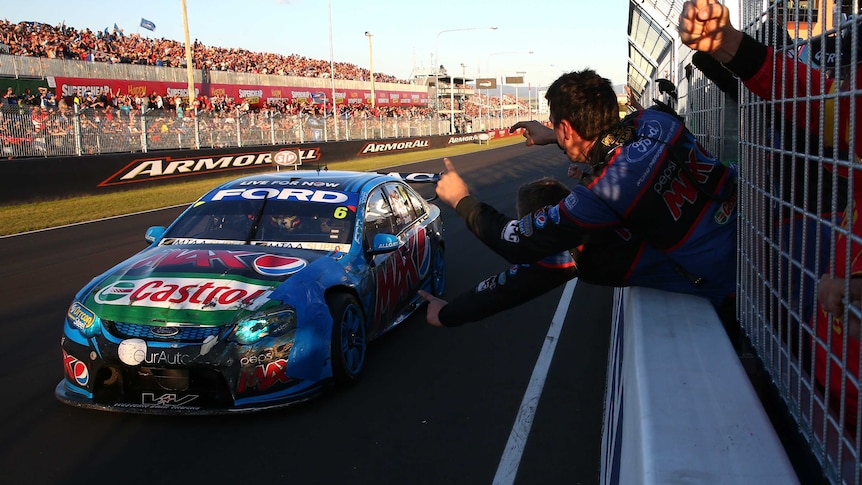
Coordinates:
(33, 132)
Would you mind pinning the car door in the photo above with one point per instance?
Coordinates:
(396, 273)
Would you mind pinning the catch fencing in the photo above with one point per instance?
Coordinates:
(32, 132)
(798, 158)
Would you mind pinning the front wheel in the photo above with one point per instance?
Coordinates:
(438, 273)
(349, 343)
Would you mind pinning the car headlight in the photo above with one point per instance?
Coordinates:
(83, 319)
(272, 323)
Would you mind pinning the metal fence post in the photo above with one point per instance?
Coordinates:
(143, 134)
(76, 122)
(238, 130)
(197, 132)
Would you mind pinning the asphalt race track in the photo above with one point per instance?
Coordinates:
(435, 406)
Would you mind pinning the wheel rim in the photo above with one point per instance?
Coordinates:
(353, 339)
(439, 274)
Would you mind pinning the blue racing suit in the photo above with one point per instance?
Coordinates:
(670, 205)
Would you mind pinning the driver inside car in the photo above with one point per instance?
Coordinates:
(287, 223)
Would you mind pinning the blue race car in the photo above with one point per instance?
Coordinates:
(261, 294)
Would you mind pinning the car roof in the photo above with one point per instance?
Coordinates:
(342, 181)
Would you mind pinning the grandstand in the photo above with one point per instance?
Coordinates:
(75, 92)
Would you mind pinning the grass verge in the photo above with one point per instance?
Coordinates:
(33, 216)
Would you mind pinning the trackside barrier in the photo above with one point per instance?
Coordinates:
(48, 178)
(679, 407)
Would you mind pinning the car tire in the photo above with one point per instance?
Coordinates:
(349, 344)
(438, 272)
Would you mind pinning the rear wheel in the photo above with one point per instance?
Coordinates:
(349, 339)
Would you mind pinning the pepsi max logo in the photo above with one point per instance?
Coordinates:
(272, 265)
(76, 370)
(541, 218)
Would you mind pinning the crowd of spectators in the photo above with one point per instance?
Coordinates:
(42, 115)
(36, 39)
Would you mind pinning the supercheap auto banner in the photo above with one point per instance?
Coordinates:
(68, 87)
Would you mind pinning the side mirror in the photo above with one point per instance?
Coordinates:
(384, 243)
(154, 233)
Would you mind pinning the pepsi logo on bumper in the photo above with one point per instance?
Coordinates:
(272, 265)
(76, 370)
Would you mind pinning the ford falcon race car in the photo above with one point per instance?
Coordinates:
(261, 294)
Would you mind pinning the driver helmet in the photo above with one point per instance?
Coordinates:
(285, 222)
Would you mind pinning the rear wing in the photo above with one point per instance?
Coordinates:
(418, 178)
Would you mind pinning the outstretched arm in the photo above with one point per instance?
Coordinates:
(506, 290)
(535, 133)
(704, 25)
(505, 235)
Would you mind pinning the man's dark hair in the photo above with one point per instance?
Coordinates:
(538, 194)
(586, 100)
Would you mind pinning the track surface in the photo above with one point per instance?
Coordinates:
(435, 405)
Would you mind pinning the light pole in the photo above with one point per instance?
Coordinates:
(463, 94)
(517, 98)
(488, 64)
(331, 78)
(437, 72)
(371, 67)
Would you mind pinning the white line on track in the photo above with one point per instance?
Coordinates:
(94, 220)
(511, 459)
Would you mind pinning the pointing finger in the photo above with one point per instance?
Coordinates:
(448, 164)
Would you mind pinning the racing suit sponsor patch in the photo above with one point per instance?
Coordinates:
(540, 218)
(487, 284)
(511, 232)
(570, 201)
(639, 149)
(525, 225)
(554, 214)
(725, 211)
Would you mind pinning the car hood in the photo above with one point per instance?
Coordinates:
(190, 285)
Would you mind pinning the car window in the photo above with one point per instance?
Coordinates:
(401, 206)
(305, 222)
(379, 217)
(226, 220)
(416, 201)
(279, 221)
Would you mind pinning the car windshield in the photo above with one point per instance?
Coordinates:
(263, 221)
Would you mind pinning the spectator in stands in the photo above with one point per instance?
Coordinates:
(689, 213)
(10, 99)
(178, 106)
(705, 26)
(41, 40)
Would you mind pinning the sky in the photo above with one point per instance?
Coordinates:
(541, 39)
